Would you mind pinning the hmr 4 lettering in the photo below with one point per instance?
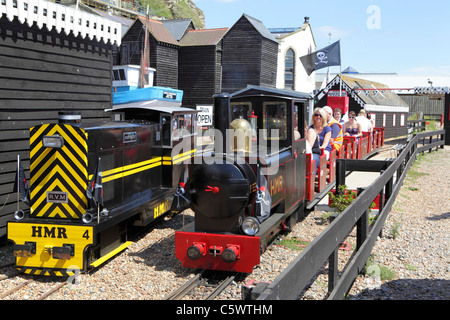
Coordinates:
(45, 232)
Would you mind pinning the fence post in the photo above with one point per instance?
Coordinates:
(381, 204)
(340, 173)
(333, 271)
(362, 226)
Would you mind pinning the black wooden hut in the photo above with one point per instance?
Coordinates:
(200, 65)
(163, 51)
(249, 55)
(385, 106)
(44, 71)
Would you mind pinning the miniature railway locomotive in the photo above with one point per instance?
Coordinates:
(91, 183)
(260, 184)
(258, 189)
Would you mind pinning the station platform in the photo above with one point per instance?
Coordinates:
(361, 179)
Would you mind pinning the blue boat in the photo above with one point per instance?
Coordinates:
(127, 93)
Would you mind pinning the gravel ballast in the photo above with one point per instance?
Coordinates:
(414, 246)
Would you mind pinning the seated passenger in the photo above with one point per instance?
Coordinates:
(338, 116)
(322, 130)
(312, 147)
(337, 137)
(352, 128)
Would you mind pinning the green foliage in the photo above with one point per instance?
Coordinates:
(342, 199)
(293, 243)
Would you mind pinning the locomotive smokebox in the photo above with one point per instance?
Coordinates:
(221, 192)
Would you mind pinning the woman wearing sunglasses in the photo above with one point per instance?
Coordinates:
(319, 135)
(352, 127)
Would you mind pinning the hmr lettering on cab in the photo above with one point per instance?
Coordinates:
(45, 232)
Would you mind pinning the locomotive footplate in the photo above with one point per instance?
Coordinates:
(48, 248)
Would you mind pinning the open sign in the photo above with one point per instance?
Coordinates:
(205, 115)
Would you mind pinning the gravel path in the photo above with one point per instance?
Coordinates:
(416, 238)
(415, 246)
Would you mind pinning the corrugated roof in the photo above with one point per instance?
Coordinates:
(204, 37)
(159, 31)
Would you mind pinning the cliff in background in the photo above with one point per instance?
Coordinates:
(176, 9)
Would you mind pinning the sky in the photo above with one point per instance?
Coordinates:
(384, 36)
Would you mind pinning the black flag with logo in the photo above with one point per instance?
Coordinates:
(326, 57)
(20, 183)
(95, 187)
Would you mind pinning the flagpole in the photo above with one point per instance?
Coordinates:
(340, 70)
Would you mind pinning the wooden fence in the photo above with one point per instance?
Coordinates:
(297, 276)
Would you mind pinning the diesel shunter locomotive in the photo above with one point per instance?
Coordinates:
(90, 183)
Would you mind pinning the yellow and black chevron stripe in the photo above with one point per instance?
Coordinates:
(62, 170)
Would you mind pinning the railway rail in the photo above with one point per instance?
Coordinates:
(9, 293)
(195, 282)
(48, 288)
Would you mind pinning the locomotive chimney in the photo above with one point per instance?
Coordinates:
(221, 120)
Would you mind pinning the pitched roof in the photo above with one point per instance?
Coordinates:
(355, 88)
(204, 37)
(350, 69)
(159, 31)
(178, 27)
(252, 90)
(381, 97)
(259, 26)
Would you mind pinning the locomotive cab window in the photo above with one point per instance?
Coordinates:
(183, 125)
(240, 110)
(299, 121)
(275, 118)
(165, 123)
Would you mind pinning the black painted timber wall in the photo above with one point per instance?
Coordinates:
(43, 72)
(248, 58)
(163, 56)
(199, 74)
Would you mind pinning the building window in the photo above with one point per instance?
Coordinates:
(289, 69)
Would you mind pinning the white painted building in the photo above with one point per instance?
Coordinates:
(293, 44)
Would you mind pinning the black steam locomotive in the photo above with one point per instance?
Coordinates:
(252, 185)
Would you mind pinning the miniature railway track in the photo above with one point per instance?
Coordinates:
(195, 282)
(26, 282)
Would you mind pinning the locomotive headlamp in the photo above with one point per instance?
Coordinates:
(55, 141)
(250, 226)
